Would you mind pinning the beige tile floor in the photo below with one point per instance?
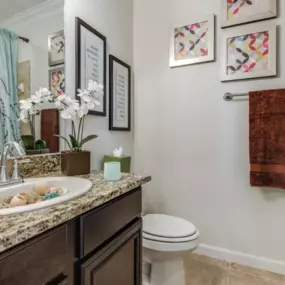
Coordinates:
(202, 270)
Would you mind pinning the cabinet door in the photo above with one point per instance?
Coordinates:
(37, 261)
(118, 263)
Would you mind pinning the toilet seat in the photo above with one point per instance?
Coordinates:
(170, 240)
(168, 227)
(168, 233)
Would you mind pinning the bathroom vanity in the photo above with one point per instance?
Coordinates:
(95, 239)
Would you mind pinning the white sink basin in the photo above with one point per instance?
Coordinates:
(75, 187)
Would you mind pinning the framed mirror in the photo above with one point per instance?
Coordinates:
(32, 57)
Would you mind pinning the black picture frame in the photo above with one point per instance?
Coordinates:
(80, 23)
(113, 59)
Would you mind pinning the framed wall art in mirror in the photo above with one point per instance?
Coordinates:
(120, 95)
(57, 81)
(91, 58)
(56, 47)
(193, 42)
(236, 12)
(249, 52)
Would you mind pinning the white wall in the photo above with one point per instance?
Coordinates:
(114, 19)
(37, 24)
(195, 145)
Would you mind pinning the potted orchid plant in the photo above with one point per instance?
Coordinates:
(75, 161)
(29, 110)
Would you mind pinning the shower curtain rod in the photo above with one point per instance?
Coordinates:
(24, 39)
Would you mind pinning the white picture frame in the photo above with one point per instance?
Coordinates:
(174, 62)
(267, 11)
(56, 48)
(242, 32)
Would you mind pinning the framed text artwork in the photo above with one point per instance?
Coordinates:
(192, 42)
(56, 47)
(120, 95)
(57, 81)
(236, 12)
(91, 61)
(249, 52)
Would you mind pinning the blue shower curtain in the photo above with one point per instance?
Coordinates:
(9, 108)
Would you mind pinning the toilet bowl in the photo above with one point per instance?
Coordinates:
(165, 240)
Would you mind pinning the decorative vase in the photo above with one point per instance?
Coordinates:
(75, 163)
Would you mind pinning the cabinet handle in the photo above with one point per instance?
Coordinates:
(59, 280)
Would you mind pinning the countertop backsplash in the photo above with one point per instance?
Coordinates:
(38, 165)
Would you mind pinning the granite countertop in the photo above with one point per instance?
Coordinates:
(15, 229)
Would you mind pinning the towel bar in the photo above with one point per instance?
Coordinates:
(230, 96)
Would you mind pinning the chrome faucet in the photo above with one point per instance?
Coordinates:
(4, 176)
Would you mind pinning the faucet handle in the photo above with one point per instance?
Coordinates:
(15, 172)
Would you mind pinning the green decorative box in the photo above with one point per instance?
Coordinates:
(125, 162)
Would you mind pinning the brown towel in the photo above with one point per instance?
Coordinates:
(267, 138)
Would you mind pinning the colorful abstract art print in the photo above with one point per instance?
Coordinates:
(192, 43)
(249, 54)
(57, 81)
(236, 12)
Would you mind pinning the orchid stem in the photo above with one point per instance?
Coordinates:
(73, 128)
(31, 121)
(82, 128)
(79, 129)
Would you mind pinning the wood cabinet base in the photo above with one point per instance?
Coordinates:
(74, 254)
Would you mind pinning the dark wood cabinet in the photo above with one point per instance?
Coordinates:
(36, 262)
(119, 262)
(100, 247)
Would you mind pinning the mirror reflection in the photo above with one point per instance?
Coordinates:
(32, 53)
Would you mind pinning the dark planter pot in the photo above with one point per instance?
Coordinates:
(28, 142)
(75, 163)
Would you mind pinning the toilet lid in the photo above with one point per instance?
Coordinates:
(167, 226)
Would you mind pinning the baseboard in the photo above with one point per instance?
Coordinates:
(242, 258)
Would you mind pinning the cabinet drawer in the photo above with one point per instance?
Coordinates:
(101, 224)
(36, 262)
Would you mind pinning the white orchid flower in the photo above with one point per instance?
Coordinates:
(85, 95)
(93, 86)
(83, 110)
(24, 116)
(44, 92)
(82, 92)
(90, 105)
(67, 105)
(97, 103)
(101, 87)
(25, 104)
(65, 114)
(35, 99)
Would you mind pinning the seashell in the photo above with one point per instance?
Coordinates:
(42, 188)
(18, 200)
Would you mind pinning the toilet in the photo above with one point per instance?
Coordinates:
(165, 240)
